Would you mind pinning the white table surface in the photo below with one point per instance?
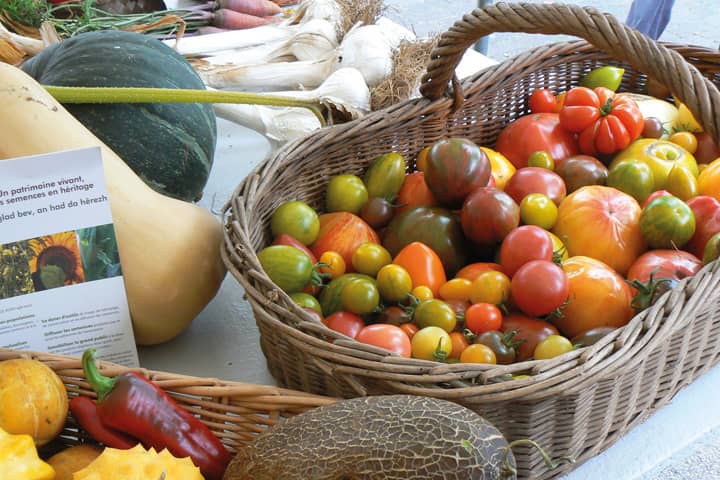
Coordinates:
(223, 343)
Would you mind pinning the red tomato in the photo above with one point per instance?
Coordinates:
(676, 264)
(707, 223)
(285, 239)
(537, 131)
(455, 167)
(423, 265)
(602, 223)
(542, 100)
(522, 245)
(489, 214)
(707, 149)
(342, 232)
(536, 180)
(606, 122)
(598, 297)
(346, 323)
(386, 336)
(539, 287)
(654, 195)
(483, 317)
(530, 332)
(414, 192)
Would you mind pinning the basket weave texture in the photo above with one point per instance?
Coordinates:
(236, 412)
(574, 405)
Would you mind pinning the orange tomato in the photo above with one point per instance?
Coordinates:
(602, 223)
(709, 180)
(414, 192)
(410, 329)
(335, 264)
(474, 270)
(598, 297)
(459, 344)
(423, 265)
(478, 353)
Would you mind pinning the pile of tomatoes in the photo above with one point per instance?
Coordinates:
(586, 210)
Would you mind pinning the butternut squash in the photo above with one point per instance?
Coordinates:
(170, 249)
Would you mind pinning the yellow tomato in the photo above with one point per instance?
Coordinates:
(538, 209)
(709, 180)
(659, 155)
(559, 248)
(682, 183)
(490, 287)
(686, 121)
(501, 167)
(334, 264)
(687, 140)
(456, 289)
(478, 353)
(422, 292)
(370, 257)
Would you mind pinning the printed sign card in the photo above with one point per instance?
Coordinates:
(61, 284)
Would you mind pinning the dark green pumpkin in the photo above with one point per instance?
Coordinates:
(169, 145)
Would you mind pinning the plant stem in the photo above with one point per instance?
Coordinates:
(173, 95)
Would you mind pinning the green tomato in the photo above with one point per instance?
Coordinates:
(552, 346)
(431, 343)
(346, 193)
(394, 283)
(385, 176)
(435, 313)
(632, 177)
(306, 300)
(667, 222)
(538, 209)
(712, 249)
(606, 76)
(360, 296)
(541, 159)
(370, 257)
(288, 267)
(297, 219)
(330, 295)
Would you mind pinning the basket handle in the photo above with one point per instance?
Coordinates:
(602, 30)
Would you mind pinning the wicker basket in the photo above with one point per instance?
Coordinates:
(236, 412)
(575, 405)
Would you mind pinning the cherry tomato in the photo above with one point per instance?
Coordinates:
(581, 170)
(539, 287)
(552, 346)
(346, 193)
(522, 245)
(491, 287)
(422, 159)
(459, 343)
(529, 332)
(542, 100)
(502, 344)
(473, 270)
(541, 159)
(386, 336)
(456, 289)
(288, 267)
(297, 219)
(394, 283)
(483, 317)
(346, 323)
(478, 353)
(536, 180)
(394, 315)
(422, 292)
(334, 264)
(306, 300)
(377, 212)
(410, 329)
(360, 296)
(431, 343)
(686, 140)
(652, 128)
(370, 257)
(538, 209)
(435, 313)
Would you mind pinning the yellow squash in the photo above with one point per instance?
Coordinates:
(139, 464)
(19, 459)
(170, 250)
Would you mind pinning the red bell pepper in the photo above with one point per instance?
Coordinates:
(131, 403)
(85, 412)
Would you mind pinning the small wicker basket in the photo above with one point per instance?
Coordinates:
(236, 412)
(574, 405)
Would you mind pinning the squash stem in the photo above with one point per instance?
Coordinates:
(174, 95)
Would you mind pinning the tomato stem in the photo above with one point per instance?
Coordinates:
(607, 108)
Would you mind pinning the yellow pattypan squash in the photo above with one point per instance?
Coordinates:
(19, 459)
(139, 464)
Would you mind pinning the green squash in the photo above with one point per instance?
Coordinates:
(169, 145)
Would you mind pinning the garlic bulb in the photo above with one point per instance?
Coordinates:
(367, 49)
(344, 93)
(278, 124)
(394, 32)
(316, 38)
(310, 9)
